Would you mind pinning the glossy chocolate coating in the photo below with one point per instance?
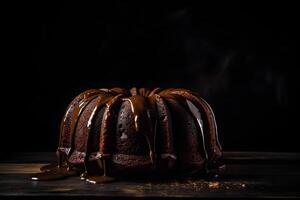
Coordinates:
(111, 132)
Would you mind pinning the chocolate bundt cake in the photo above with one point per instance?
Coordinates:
(108, 133)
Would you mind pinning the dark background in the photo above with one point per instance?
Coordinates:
(240, 57)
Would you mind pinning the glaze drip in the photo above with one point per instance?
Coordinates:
(107, 127)
(142, 120)
(101, 101)
(209, 124)
(165, 124)
(70, 117)
(194, 110)
(66, 144)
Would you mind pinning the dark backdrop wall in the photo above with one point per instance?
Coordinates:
(238, 57)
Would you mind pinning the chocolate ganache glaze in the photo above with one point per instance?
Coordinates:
(111, 133)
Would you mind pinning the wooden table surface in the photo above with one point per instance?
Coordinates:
(248, 174)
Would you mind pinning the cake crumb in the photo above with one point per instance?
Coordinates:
(214, 185)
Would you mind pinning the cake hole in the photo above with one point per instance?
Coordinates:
(163, 118)
(121, 130)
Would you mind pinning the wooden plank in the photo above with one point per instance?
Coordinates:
(17, 168)
(46, 157)
(278, 179)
